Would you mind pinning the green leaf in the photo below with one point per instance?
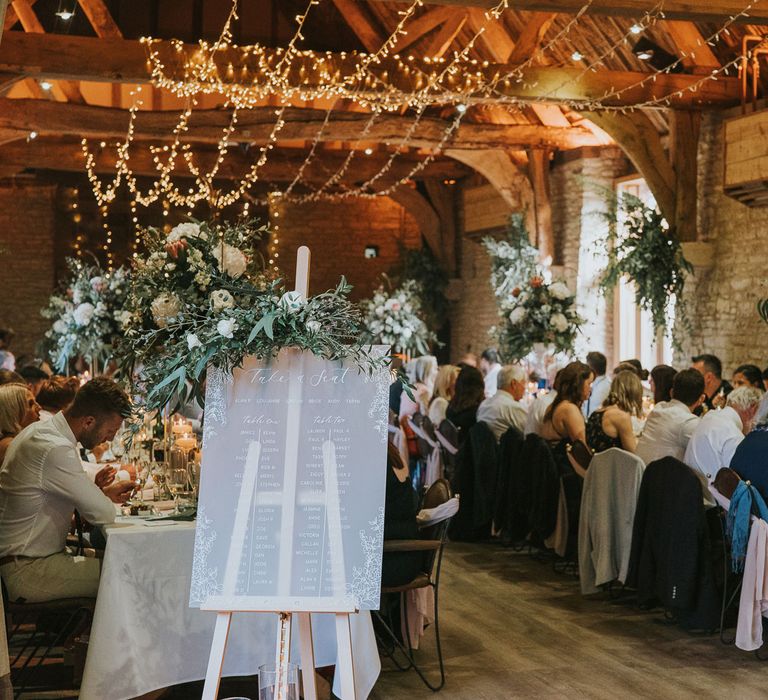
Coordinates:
(265, 324)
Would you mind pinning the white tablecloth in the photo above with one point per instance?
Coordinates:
(145, 636)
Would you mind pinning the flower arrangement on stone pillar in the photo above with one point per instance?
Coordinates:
(395, 318)
(203, 296)
(87, 315)
(537, 313)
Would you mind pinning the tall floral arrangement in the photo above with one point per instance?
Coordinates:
(396, 318)
(87, 313)
(537, 313)
(201, 297)
(513, 259)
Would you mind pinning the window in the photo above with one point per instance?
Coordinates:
(632, 327)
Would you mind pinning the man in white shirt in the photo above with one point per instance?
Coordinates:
(504, 410)
(490, 367)
(601, 387)
(42, 482)
(719, 432)
(671, 423)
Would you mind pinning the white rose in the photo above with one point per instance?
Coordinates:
(313, 326)
(292, 302)
(164, 308)
(232, 262)
(559, 291)
(406, 333)
(517, 316)
(559, 322)
(77, 296)
(221, 299)
(59, 327)
(83, 314)
(193, 341)
(226, 327)
(393, 305)
(187, 230)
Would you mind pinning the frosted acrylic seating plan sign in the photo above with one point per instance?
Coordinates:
(293, 480)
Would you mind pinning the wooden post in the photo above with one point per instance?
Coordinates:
(538, 170)
(684, 128)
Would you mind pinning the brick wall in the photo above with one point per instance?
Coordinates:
(337, 234)
(722, 297)
(27, 229)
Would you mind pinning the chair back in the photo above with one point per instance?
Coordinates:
(423, 429)
(447, 435)
(437, 494)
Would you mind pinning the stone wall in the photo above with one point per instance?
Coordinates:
(721, 297)
(337, 234)
(27, 239)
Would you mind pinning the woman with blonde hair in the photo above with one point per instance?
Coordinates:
(445, 385)
(18, 409)
(421, 372)
(611, 426)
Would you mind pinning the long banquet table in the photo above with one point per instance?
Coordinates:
(145, 636)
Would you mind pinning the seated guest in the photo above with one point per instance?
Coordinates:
(18, 409)
(7, 359)
(56, 394)
(8, 376)
(400, 510)
(638, 367)
(747, 375)
(42, 481)
(563, 419)
(445, 385)
(469, 394)
(490, 367)
(611, 426)
(600, 387)
(34, 377)
(719, 433)
(422, 375)
(671, 423)
(661, 382)
(750, 460)
(535, 420)
(503, 410)
(715, 387)
(396, 387)
(765, 379)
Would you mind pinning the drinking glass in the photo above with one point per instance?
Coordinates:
(268, 680)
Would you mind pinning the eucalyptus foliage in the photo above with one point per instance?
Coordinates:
(647, 252)
(514, 260)
(200, 297)
(421, 265)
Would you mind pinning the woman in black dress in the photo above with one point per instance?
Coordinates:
(467, 397)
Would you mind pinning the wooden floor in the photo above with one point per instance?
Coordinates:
(513, 628)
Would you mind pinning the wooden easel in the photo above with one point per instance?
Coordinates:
(285, 607)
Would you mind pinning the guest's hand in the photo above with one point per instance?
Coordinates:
(105, 476)
(119, 491)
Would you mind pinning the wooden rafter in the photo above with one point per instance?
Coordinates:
(424, 215)
(31, 23)
(114, 60)
(422, 25)
(538, 165)
(696, 53)
(446, 35)
(100, 18)
(695, 10)
(361, 24)
(67, 155)
(527, 44)
(7, 16)
(255, 125)
(494, 36)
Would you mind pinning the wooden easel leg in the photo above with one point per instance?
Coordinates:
(216, 658)
(344, 666)
(307, 656)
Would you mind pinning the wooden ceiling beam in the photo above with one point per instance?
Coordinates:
(255, 125)
(529, 41)
(101, 19)
(116, 60)
(7, 16)
(697, 55)
(47, 153)
(422, 25)
(355, 15)
(31, 23)
(694, 10)
(446, 35)
(494, 36)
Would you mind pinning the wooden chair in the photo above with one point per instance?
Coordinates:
(432, 544)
